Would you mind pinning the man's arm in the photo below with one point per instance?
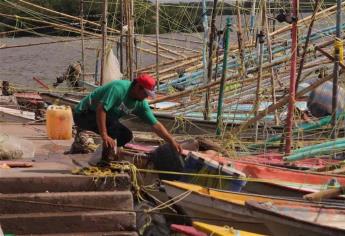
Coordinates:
(101, 117)
(162, 132)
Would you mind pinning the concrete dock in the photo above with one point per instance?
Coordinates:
(46, 199)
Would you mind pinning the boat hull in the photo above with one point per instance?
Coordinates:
(213, 211)
(288, 220)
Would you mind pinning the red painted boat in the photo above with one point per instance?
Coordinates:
(33, 98)
(276, 159)
(277, 180)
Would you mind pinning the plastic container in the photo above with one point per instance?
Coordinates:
(59, 122)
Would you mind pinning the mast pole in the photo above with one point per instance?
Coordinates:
(337, 47)
(82, 39)
(104, 38)
(210, 56)
(293, 70)
(157, 43)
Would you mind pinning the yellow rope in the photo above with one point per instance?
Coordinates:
(128, 167)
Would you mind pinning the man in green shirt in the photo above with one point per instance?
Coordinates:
(100, 112)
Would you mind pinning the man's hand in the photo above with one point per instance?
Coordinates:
(162, 132)
(177, 146)
(108, 142)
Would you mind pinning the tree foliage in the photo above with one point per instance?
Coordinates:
(180, 17)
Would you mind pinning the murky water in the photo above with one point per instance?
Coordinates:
(48, 61)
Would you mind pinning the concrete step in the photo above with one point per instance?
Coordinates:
(65, 183)
(68, 222)
(89, 234)
(65, 202)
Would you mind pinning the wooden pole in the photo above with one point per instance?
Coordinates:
(291, 107)
(336, 71)
(240, 38)
(82, 39)
(273, 72)
(324, 13)
(210, 61)
(157, 43)
(222, 82)
(252, 17)
(282, 102)
(325, 194)
(329, 56)
(306, 44)
(261, 38)
(130, 38)
(121, 35)
(104, 38)
(204, 48)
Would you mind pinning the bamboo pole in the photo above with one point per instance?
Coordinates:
(165, 49)
(130, 38)
(176, 39)
(325, 194)
(210, 56)
(65, 15)
(20, 30)
(104, 39)
(292, 92)
(42, 43)
(329, 56)
(222, 82)
(273, 72)
(336, 72)
(59, 26)
(282, 102)
(306, 20)
(154, 53)
(252, 17)
(78, 19)
(196, 90)
(168, 63)
(82, 39)
(204, 46)
(177, 46)
(240, 38)
(121, 35)
(306, 44)
(231, 48)
(261, 38)
(157, 43)
(258, 83)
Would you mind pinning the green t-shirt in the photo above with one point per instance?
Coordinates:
(116, 102)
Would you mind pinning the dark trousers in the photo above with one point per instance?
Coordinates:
(116, 130)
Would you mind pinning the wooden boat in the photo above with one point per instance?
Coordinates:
(192, 164)
(28, 98)
(60, 99)
(270, 180)
(276, 159)
(205, 165)
(295, 219)
(224, 207)
(221, 231)
(15, 115)
(280, 181)
(191, 126)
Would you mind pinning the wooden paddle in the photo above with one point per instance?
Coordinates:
(325, 194)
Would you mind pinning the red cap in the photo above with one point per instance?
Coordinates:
(148, 82)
